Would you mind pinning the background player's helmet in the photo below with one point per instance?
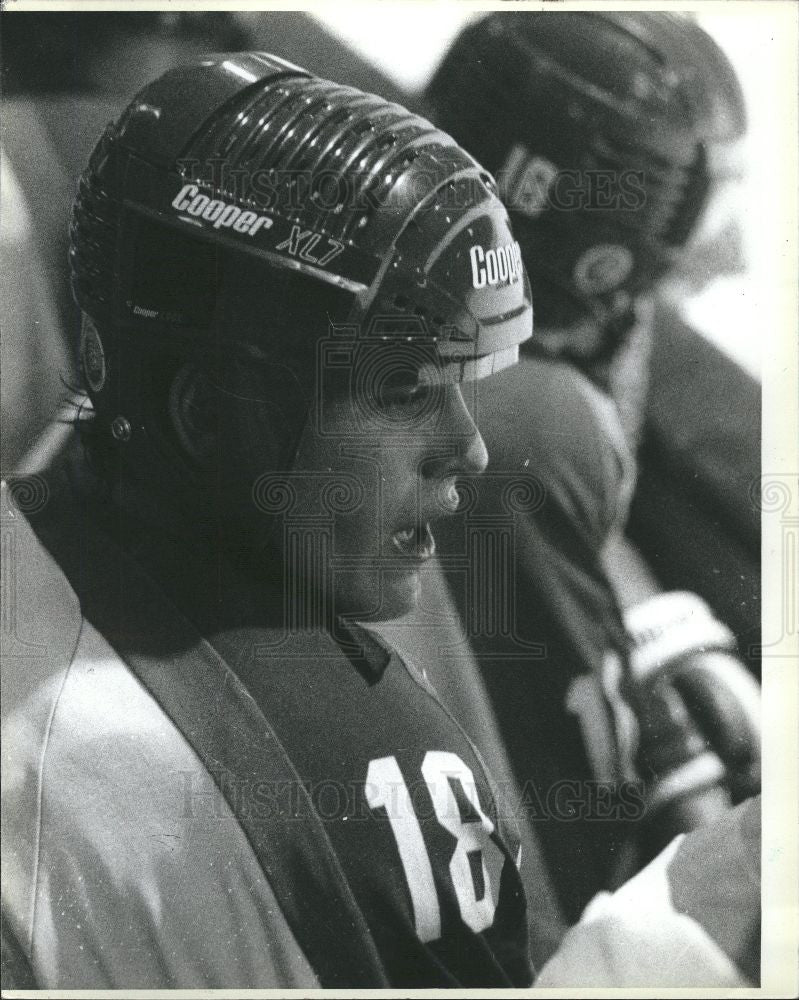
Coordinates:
(603, 131)
(243, 207)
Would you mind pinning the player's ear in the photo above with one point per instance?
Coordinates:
(194, 414)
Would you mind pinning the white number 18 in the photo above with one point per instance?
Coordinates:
(386, 789)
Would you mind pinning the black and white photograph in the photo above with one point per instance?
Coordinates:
(400, 498)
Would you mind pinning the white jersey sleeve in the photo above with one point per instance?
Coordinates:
(122, 863)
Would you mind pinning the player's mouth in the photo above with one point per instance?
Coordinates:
(415, 542)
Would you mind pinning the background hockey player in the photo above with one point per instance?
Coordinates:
(608, 134)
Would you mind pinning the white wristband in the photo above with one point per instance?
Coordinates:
(670, 625)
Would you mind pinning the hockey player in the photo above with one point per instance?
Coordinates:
(279, 312)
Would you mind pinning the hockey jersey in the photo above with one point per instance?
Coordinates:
(260, 813)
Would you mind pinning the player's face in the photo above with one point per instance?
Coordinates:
(374, 477)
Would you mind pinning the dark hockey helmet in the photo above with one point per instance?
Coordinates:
(242, 203)
(603, 130)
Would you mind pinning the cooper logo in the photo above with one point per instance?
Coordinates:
(219, 213)
(496, 267)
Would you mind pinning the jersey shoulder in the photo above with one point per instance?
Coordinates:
(109, 817)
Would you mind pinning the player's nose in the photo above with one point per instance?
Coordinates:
(469, 454)
(475, 456)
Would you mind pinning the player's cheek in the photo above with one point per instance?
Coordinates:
(358, 531)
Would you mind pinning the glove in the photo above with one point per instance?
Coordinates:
(698, 711)
(690, 919)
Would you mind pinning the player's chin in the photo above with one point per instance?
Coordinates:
(378, 595)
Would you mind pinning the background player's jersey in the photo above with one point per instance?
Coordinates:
(542, 618)
(429, 850)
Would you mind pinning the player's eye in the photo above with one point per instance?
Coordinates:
(403, 396)
(401, 389)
